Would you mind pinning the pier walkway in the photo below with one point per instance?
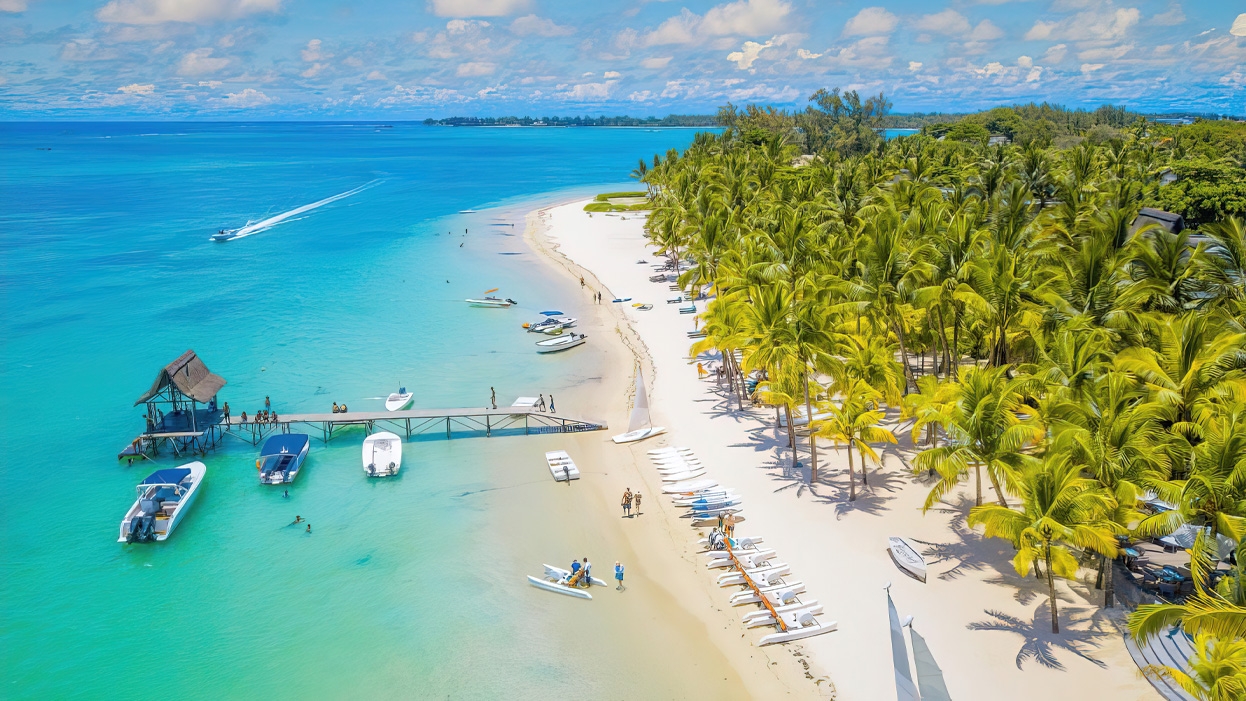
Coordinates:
(512, 420)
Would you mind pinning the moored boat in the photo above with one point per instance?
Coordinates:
(281, 457)
(561, 581)
(397, 401)
(382, 454)
(560, 343)
(163, 499)
(493, 302)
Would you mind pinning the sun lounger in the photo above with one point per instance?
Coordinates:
(692, 309)
(696, 334)
(675, 300)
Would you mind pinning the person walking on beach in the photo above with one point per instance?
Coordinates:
(551, 403)
(588, 573)
(540, 403)
(729, 522)
(493, 397)
(636, 498)
(581, 282)
(627, 503)
(618, 574)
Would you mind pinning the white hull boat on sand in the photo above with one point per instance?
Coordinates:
(743, 542)
(639, 425)
(682, 476)
(770, 574)
(907, 557)
(557, 580)
(561, 466)
(795, 611)
(803, 626)
(560, 343)
(750, 560)
(399, 400)
(690, 487)
(382, 454)
(777, 595)
(660, 452)
(163, 498)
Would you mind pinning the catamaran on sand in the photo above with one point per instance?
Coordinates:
(639, 426)
(163, 498)
(562, 581)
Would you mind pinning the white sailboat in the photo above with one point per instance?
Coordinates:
(639, 426)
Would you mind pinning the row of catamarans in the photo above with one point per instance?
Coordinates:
(165, 495)
(755, 569)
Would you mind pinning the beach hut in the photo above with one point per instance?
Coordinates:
(181, 409)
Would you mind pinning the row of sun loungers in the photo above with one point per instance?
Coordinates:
(754, 568)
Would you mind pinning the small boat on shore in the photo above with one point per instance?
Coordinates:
(558, 581)
(690, 487)
(907, 557)
(399, 400)
(382, 454)
(560, 343)
(163, 498)
(683, 476)
(561, 466)
(281, 457)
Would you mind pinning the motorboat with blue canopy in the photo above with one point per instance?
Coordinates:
(281, 457)
(164, 496)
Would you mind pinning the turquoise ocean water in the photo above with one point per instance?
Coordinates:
(107, 273)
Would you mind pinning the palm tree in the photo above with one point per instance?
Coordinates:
(930, 407)
(1059, 508)
(854, 422)
(1219, 612)
(1218, 666)
(984, 430)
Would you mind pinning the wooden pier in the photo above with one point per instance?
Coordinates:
(512, 420)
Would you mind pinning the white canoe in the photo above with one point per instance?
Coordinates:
(398, 401)
(807, 628)
(750, 560)
(560, 343)
(639, 434)
(907, 557)
(770, 574)
(689, 487)
(670, 450)
(561, 466)
(382, 454)
(683, 476)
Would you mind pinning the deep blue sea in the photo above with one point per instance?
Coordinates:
(107, 274)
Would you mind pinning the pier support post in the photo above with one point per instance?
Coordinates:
(447, 427)
(488, 427)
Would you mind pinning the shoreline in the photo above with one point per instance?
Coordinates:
(986, 626)
(665, 542)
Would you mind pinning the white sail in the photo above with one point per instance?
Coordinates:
(906, 690)
(929, 676)
(640, 407)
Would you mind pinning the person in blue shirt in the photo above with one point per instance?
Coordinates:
(618, 574)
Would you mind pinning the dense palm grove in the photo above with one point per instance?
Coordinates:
(1060, 358)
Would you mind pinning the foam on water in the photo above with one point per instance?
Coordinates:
(257, 227)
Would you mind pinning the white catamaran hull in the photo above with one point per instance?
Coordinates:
(639, 434)
(907, 557)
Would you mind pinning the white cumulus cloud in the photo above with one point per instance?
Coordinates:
(201, 62)
(195, 11)
(656, 61)
(1090, 25)
(590, 91)
(872, 21)
(748, 54)
(475, 68)
(733, 18)
(12, 5)
(249, 97)
(313, 52)
(477, 8)
(137, 89)
(532, 25)
(1239, 26)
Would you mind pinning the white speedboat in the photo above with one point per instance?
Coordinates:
(491, 302)
(639, 425)
(399, 400)
(382, 454)
(163, 498)
(560, 343)
(907, 557)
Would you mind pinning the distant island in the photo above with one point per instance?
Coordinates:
(672, 120)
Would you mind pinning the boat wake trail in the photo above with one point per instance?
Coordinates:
(257, 227)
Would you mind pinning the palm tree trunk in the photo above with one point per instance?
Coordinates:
(904, 356)
(852, 477)
(947, 352)
(1109, 584)
(995, 485)
(956, 345)
(791, 437)
(1051, 589)
(813, 442)
(978, 470)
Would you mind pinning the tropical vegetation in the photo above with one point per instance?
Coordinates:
(1065, 358)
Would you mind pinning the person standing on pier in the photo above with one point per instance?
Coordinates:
(493, 397)
(540, 403)
(551, 403)
(226, 410)
(268, 404)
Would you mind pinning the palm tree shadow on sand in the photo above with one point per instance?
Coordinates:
(1039, 644)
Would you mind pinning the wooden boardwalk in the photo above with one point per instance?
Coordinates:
(512, 420)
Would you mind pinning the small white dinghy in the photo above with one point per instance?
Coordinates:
(399, 400)
(907, 557)
(639, 426)
(561, 466)
(382, 454)
(560, 343)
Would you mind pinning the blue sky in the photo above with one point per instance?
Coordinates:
(405, 59)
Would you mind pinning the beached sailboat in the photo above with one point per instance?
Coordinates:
(906, 556)
(281, 457)
(639, 425)
(560, 343)
(382, 454)
(163, 498)
(397, 401)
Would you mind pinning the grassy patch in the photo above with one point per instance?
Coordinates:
(619, 202)
(607, 196)
(607, 207)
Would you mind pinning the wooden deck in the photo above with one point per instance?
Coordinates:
(511, 420)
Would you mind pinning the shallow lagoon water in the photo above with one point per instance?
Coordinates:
(404, 587)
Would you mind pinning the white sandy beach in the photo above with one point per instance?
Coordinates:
(988, 629)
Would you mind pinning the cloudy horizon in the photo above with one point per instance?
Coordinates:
(291, 59)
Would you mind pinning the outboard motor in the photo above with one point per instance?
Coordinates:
(508, 299)
(141, 529)
(391, 468)
(372, 468)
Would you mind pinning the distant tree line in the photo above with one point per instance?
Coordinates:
(671, 120)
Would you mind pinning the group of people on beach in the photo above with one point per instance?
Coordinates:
(630, 499)
(582, 574)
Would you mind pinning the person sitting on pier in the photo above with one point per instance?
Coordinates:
(274, 417)
(335, 407)
(243, 419)
(343, 408)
